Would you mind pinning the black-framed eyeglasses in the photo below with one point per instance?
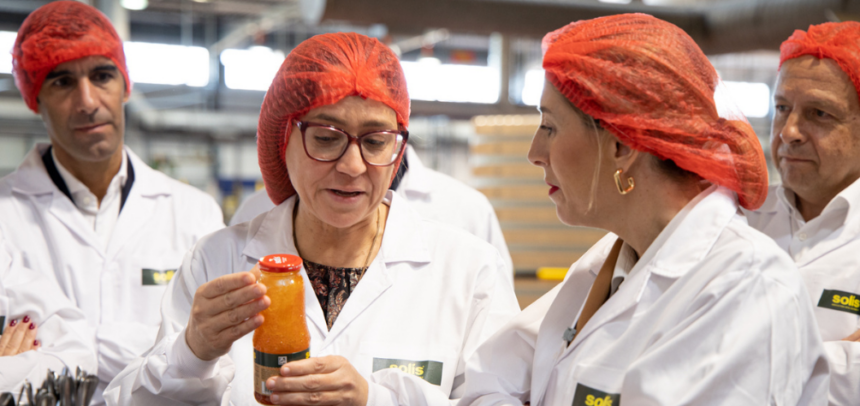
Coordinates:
(325, 143)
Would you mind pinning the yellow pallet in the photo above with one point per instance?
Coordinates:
(551, 274)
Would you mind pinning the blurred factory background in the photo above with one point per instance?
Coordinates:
(201, 68)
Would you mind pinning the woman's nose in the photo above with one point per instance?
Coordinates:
(351, 163)
(537, 151)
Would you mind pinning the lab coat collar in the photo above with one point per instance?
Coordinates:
(845, 204)
(402, 240)
(848, 197)
(148, 185)
(695, 228)
(417, 179)
(679, 247)
(31, 177)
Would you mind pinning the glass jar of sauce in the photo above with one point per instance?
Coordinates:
(283, 337)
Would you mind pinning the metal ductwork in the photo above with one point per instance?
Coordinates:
(721, 27)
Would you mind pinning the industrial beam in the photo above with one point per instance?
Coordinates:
(732, 26)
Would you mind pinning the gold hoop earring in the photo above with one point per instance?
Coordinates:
(620, 187)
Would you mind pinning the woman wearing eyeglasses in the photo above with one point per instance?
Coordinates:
(394, 303)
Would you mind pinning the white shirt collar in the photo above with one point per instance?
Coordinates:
(82, 197)
(841, 209)
(101, 216)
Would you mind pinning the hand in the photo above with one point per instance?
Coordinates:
(328, 380)
(223, 311)
(19, 337)
(853, 337)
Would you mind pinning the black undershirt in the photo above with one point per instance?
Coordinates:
(51, 167)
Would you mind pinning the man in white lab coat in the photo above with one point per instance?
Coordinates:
(435, 195)
(814, 214)
(34, 311)
(84, 209)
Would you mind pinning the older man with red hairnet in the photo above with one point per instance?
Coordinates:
(84, 209)
(814, 214)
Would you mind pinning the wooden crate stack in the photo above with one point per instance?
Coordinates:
(501, 170)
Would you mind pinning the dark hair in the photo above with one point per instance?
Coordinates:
(672, 170)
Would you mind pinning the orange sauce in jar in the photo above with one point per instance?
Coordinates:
(283, 337)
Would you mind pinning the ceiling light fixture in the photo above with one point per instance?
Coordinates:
(134, 4)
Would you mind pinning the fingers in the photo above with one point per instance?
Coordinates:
(233, 317)
(318, 365)
(853, 337)
(18, 337)
(232, 300)
(309, 375)
(7, 335)
(28, 342)
(226, 283)
(307, 398)
(256, 271)
(330, 381)
(213, 337)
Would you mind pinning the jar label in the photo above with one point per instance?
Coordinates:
(268, 365)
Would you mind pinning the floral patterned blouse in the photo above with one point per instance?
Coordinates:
(332, 287)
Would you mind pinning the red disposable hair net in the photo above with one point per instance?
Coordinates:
(837, 41)
(648, 83)
(59, 32)
(321, 71)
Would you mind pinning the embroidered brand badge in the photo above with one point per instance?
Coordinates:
(430, 371)
(154, 277)
(841, 301)
(585, 396)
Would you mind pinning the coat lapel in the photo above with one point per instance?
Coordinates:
(32, 180)
(564, 312)
(275, 236)
(139, 206)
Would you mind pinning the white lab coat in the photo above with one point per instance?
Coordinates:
(434, 195)
(161, 221)
(63, 328)
(433, 293)
(827, 252)
(713, 313)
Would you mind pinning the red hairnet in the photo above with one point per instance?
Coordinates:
(837, 41)
(651, 86)
(322, 71)
(59, 32)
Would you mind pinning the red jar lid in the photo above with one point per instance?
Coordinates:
(280, 263)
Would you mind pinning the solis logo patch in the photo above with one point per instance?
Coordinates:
(586, 396)
(839, 300)
(430, 371)
(154, 277)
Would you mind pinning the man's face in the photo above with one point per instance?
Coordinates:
(81, 103)
(815, 138)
